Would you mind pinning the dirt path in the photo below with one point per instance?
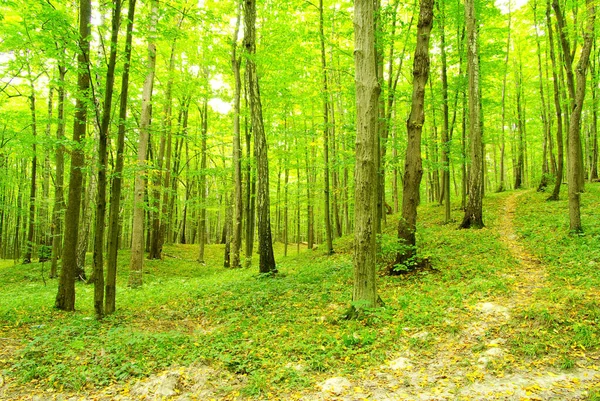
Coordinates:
(530, 274)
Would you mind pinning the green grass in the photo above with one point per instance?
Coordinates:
(264, 327)
(566, 314)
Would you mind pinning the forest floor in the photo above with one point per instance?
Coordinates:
(509, 312)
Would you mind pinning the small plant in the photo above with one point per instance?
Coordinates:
(566, 363)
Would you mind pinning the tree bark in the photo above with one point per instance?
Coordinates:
(137, 234)
(413, 168)
(501, 186)
(474, 208)
(365, 173)
(98, 259)
(59, 159)
(445, 198)
(547, 148)
(594, 128)
(114, 227)
(574, 148)
(557, 105)
(236, 240)
(325, 95)
(202, 182)
(65, 298)
(520, 167)
(31, 225)
(574, 169)
(265, 243)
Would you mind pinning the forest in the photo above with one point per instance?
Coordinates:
(299, 200)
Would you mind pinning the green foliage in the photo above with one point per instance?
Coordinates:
(285, 333)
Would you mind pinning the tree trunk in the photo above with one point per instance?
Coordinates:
(265, 243)
(325, 94)
(236, 240)
(557, 105)
(574, 148)
(501, 186)
(413, 168)
(202, 182)
(227, 234)
(98, 264)
(65, 298)
(520, 167)
(574, 161)
(594, 128)
(365, 173)
(473, 211)
(115, 192)
(44, 252)
(250, 189)
(31, 226)
(59, 158)
(137, 235)
(547, 150)
(445, 198)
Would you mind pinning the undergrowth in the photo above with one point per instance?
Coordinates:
(563, 320)
(286, 332)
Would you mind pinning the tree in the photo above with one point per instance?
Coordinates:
(98, 262)
(365, 172)
(137, 240)
(326, 128)
(236, 240)
(576, 97)
(474, 208)
(413, 168)
(558, 108)
(445, 197)
(59, 160)
(65, 299)
(114, 228)
(265, 243)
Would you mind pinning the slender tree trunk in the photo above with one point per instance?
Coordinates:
(520, 167)
(325, 94)
(574, 147)
(557, 106)
(137, 235)
(285, 208)
(265, 243)
(227, 233)
(31, 225)
(44, 230)
(547, 149)
(413, 168)
(65, 298)
(594, 126)
(310, 233)
(250, 201)
(202, 182)
(85, 222)
(464, 171)
(98, 264)
(59, 159)
(114, 227)
(236, 241)
(473, 211)
(501, 186)
(365, 173)
(445, 198)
